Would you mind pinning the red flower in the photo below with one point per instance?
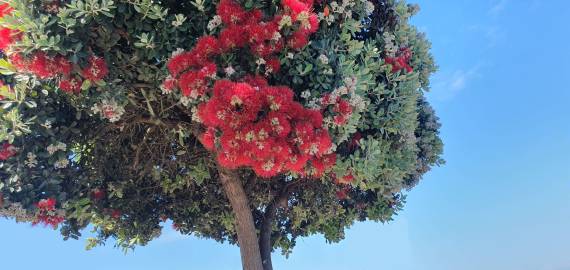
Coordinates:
(5, 9)
(98, 194)
(297, 162)
(7, 151)
(321, 165)
(343, 107)
(231, 12)
(46, 213)
(273, 64)
(256, 81)
(19, 62)
(71, 85)
(192, 84)
(266, 168)
(52, 220)
(96, 70)
(295, 6)
(401, 61)
(63, 66)
(340, 120)
(47, 204)
(342, 194)
(346, 179)
(116, 213)
(232, 37)
(180, 63)
(169, 84)
(7, 37)
(312, 26)
(206, 47)
(298, 40)
(43, 66)
(208, 138)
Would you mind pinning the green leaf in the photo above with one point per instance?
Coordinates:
(86, 85)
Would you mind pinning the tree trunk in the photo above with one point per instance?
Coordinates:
(245, 227)
(265, 243)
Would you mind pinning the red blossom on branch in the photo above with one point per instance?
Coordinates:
(46, 214)
(264, 129)
(47, 204)
(71, 85)
(401, 61)
(96, 70)
(257, 125)
(5, 9)
(7, 36)
(43, 66)
(7, 151)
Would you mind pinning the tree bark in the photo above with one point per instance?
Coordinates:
(265, 243)
(245, 226)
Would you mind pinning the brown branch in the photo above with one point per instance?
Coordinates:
(280, 201)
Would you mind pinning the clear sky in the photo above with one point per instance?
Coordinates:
(502, 201)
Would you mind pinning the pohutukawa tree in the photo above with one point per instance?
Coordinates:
(251, 122)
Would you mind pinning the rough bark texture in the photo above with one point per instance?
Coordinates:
(245, 227)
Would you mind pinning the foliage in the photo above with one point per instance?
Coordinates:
(97, 126)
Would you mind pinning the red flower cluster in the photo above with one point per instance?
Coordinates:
(46, 213)
(341, 108)
(255, 125)
(42, 65)
(190, 70)
(260, 126)
(46, 67)
(7, 151)
(401, 61)
(7, 36)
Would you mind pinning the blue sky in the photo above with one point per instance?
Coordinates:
(501, 202)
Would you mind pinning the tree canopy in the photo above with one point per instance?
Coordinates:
(254, 122)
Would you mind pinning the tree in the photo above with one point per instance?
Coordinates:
(251, 122)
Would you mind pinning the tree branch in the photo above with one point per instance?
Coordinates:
(265, 243)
